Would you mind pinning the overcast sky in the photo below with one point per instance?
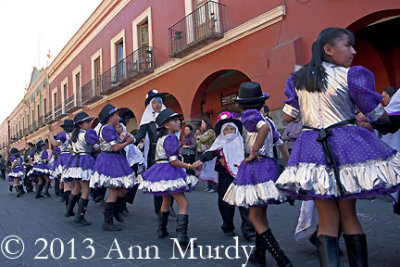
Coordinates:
(28, 30)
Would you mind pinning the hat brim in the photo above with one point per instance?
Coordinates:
(167, 119)
(252, 99)
(83, 120)
(219, 124)
(147, 101)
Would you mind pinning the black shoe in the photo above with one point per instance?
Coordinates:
(328, 250)
(269, 242)
(117, 210)
(80, 216)
(357, 250)
(10, 188)
(257, 257)
(162, 224)
(71, 204)
(39, 189)
(108, 224)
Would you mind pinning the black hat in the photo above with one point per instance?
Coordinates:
(106, 112)
(81, 117)
(67, 125)
(165, 116)
(250, 92)
(14, 152)
(152, 94)
(40, 143)
(225, 117)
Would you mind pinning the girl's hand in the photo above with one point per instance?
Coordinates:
(222, 161)
(197, 164)
(129, 139)
(251, 157)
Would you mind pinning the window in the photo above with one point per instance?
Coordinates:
(45, 106)
(77, 85)
(142, 30)
(97, 74)
(38, 112)
(143, 33)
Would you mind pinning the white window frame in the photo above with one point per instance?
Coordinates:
(99, 54)
(63, 83)
(113, 41)
(53, 101)
(145, 15)
(74, 73)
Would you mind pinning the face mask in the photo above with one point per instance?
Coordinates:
(230, 137)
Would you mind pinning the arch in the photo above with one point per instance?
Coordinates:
(216, 92)
(172, 102)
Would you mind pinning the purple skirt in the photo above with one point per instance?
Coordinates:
(39, 169)
(367, 166)
(112, 170)
(254, 185)
(80, 167)
(62, 163)
(164, 179)
(17, 172)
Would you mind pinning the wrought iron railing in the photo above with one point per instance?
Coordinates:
(133, 67)
(91, 91)
(57, 111)
(41, 121)
(70, 104)
(202, 26)
(49, 117)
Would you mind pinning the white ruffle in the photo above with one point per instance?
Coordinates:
(189, 182)
(355, 178)
(101, 180)
(77, 173)
(253, 195)
(16, 174)
(39, 170)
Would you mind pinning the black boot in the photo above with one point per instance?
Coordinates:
(257, 257)
(117, 210)
(80, 215)
(182, 222)
(71, 204)
(124, 210)
(20, 190)
(29, 188)
(46, 189)
(66, 197)
(10, 188)
(162, 224)
(57, 187)
(328, 250)
(108, 224)
(39, 188)
(269, 242)
(357, 251)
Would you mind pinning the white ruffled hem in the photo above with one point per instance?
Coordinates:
(253, 195)
(16, 174)
(101, 180)
(189, 182)
(39, 170)
(77, 173)
(355, 178)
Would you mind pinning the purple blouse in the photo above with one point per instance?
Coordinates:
(171, 145)
(110, 134)
(91, 137)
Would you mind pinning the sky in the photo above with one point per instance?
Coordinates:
(28, 31)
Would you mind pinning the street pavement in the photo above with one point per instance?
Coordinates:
(50, 239)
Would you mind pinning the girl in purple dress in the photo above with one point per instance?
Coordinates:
(334, 161)
(254, 184)
(167, 177)
(111, 169)
(40, 170)
(17, 171)
(79, 170)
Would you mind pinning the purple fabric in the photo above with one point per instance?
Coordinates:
(61, 136)
(82, 161)
(362, 91)
(57, 151)
(256, 172)
(112, 164)
(16, 170)
(350, 144)
(171, 145)
(44, 155)
(91, 137)
(187, 140)
(12, 158)
(64, 159)
(275, 134)
(109, 134)
(290, 92)
(250, 118)
(394, 114)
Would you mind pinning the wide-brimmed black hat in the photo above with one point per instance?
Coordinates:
(165, 116)
(14, 152)
(81, 117)
(250, 92)
(152, 94)
(225, 117)
(106, 112)
(40, 143)
(67, 124)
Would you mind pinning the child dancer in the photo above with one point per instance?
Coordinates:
(254, 185)
(80, 167)
(40, 170)
(111, 169)
(17, 170)
(167, 178)
(334, 161)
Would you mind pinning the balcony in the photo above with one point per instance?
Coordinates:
(49, 117)
(91, 91)
(201, 27)
(30, 129)
(71, 105)
(41, 121)
(58, 111)
(35, 125)
(135, 66)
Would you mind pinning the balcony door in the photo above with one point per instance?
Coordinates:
(204, 17)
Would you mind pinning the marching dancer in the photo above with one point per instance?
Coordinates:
(334, 161)
(111, 169)
(40, 170)
(167, 178)
(17, 171)
(254, 185)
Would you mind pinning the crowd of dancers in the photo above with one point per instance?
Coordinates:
(335, 160)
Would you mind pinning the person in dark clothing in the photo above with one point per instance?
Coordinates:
(3, 167)
(188, 147)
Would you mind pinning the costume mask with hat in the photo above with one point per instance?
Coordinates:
(149, 114)
(68, 125)
(231, 144)
(166, 115)
(250, 92)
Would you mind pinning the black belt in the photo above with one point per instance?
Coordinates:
(326, 147)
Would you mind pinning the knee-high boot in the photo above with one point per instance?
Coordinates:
(71, 204)
(46, 189)
(39, 188)
(162, 224)
(57, 187)
(357, 250)
(257, 257)
(108, 224)
(80, 215)
(182, 222)
(269, 242)
(66, 197)
(328, 250)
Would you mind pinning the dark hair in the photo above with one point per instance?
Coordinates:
(75, 133)
(390, 91)
(266, 109)
(208, 123)
(190, 127)
(163, 131)
(31, 144)
(312, 77)
(254, 105)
